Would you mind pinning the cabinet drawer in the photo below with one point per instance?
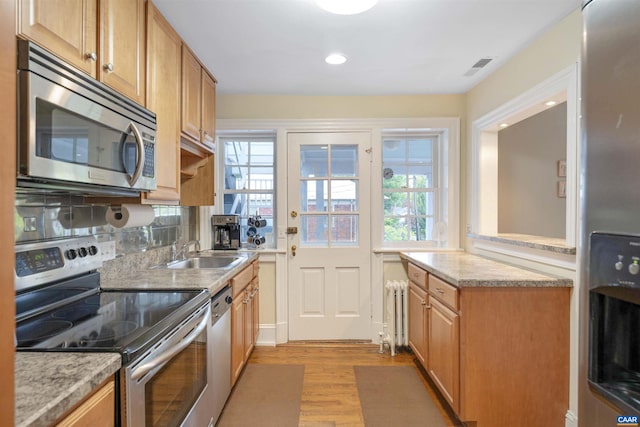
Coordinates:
(241, 280)
(418, 276)
(444, 292)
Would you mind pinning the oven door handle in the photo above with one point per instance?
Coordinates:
(139, 152)
(142, 370)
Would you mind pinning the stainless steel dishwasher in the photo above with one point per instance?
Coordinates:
(220, 375)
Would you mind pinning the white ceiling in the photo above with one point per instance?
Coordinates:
(399, 47)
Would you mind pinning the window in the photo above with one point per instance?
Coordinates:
(249, 175)
(413, 178)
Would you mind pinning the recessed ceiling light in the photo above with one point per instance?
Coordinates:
(346, 7)
(335, 59)
(550, 103)
(504, 125)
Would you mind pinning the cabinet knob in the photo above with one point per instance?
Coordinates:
(91, 56)
(108, 67)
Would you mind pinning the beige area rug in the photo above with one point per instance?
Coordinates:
(395, 396)
(265, 396)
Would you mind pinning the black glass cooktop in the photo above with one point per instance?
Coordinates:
(127, 322)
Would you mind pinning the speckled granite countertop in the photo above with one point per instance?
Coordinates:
(466, 270)
(49, 384)
(550, 244)
(211, 279)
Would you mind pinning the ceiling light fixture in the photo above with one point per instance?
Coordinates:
(335, 59)
(346, 7)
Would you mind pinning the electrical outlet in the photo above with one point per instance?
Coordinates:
(107, 250)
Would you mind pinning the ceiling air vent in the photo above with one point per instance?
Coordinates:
(482, 62)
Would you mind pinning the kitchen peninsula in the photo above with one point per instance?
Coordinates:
(489, 332)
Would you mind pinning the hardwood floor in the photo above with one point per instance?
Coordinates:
(329, 394)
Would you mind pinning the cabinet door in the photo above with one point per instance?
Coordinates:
(443, 349)
(237, 337)
(417, 321)
(66, 28)
(208, 108)
(248, 323)
(122, 47)
(164, 48)
(200, 189)
(191, 94)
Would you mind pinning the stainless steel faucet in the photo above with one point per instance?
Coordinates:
(182, 252)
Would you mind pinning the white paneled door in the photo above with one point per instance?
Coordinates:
(329, 279)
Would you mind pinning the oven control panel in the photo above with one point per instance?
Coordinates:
(43, 262)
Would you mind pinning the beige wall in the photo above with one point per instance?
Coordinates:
(267, 279)
(338, 107)
(528, 153)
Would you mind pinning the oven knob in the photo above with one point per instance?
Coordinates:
(71, 254)
(93, 250)
(82, 252)
(619, 265)
(634, 268)
(228, 299)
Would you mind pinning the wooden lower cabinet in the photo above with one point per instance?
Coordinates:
(97, 410)
(418, 321)
(443, 346)
(498, 355)
(245, 312)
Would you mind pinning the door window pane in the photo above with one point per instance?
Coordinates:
(344, 196)
(314, 195)
(344, 160)
(314, 230)
(314, 160)
(344, 230)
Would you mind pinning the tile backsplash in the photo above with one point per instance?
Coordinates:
(42, 216)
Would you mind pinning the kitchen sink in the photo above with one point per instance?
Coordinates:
(206, 262)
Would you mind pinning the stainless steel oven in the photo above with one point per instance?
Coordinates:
(168, 385)
(163, 336)
(76, 133)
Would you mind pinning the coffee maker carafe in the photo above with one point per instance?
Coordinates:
(226, 231)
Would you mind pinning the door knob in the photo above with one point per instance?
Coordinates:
(293, 250)
(294, 214)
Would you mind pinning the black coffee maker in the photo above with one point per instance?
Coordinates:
(226, 231)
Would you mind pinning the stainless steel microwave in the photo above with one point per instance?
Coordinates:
(77, 134)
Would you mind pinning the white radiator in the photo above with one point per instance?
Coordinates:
(397, 313)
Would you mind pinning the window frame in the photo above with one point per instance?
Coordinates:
(250, 137)
(437, 176)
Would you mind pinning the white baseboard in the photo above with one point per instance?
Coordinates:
(570, 419)
(267, 335)
(282, 333)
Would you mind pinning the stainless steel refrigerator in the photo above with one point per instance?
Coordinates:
(610, 214)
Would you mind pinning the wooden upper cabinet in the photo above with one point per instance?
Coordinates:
(191, 94)
(66, 27)
(164, 48)
(198, 101)
(208, 108)
(73, 30)
(122, 47)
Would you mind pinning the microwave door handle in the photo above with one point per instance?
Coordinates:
(139, 154)
(142, 370)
